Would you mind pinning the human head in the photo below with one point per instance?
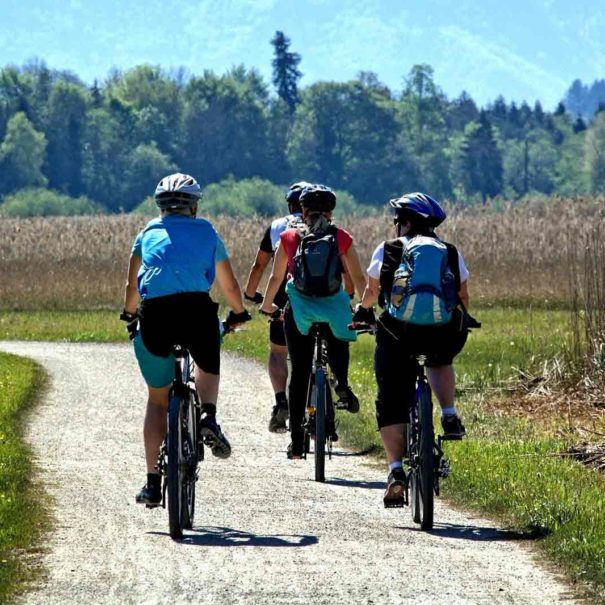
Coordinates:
(293, 194)
(178, 194)
(317, 200)
(418, 212)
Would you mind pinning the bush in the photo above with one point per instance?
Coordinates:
(45, 202)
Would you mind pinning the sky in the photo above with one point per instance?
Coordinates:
(521, 49)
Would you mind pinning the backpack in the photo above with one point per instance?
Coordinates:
(420, 279)
(317, 265)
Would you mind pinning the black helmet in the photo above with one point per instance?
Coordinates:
(295, 190)
(419, 205)
(317, 197)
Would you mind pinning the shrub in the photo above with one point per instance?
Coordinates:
(45, 202)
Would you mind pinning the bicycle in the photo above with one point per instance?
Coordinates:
(183, 449)
(425, 461)
(320, 419)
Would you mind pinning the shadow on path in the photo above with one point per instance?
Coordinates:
(474, 533)
(355, 483)
(225, 536)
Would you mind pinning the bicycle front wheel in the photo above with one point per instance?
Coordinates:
(426, 462)
(319, 396)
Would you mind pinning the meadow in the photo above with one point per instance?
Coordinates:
(530, 382)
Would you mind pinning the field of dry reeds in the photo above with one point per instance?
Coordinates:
(515, 253)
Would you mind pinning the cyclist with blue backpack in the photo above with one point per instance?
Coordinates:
(421, 282)
(173, 264)
(315, 255)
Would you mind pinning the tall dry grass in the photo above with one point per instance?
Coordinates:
(515, 253)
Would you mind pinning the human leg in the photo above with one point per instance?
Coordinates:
(338, 357)
(278, 374)
(300, 348)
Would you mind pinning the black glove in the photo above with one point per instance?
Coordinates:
(257, 299)
(132, 323)
(363, 315)
(237, 318)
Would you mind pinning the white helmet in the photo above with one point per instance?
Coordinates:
(177, 191)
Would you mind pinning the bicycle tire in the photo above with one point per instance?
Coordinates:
(426, 461)
(320, 425)
(174, 475)
(192, 458)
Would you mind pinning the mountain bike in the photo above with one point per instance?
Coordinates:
(319, 422)
(182, 449)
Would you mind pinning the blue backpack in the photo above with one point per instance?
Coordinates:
(420, 279)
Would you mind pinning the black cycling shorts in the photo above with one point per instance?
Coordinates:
(395, 364)
(277, 335)
(188, 319)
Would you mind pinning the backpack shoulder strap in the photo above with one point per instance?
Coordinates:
(452, 261)
(393, 252)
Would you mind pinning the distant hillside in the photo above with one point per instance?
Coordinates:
(583, 100)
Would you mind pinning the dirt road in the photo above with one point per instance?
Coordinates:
(264, 532)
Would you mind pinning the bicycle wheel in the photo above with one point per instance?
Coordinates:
(182, 461)
(320, 424)
(411, 439)
(426, 461)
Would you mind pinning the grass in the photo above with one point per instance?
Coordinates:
(21, 516)
(510, 468)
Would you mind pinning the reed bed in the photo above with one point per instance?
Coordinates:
(515, 253)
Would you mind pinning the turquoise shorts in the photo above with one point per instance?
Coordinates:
(157, 371)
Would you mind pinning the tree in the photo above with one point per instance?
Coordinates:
(594, 154)
(22, 155)
(285, 71)
(478, 165)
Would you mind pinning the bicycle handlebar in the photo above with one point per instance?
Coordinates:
(363, 328)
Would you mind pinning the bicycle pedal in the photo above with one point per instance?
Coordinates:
(451, 437)
(393, 504)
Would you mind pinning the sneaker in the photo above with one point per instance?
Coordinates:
(394, 495)
(347, 400)
(151, 495)
(452, 426)
(213, 437)
(279, 415)
(294, 453)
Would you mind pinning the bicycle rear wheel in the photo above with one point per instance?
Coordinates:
(182, 462)
(426, 461)
(319, 396)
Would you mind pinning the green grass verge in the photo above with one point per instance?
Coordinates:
(508, 468)
(21, 516)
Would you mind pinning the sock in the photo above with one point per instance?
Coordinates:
(209, 408)
(280, 398)
(153, 479)
(395, 465)
(449, 411)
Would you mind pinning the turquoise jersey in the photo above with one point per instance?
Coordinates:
(178, 254)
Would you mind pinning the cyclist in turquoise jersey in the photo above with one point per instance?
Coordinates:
(174, 262)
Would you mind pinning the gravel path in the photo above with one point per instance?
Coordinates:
(264, 532)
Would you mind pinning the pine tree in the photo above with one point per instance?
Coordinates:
(285, 71)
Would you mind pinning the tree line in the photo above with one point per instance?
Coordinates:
(112, 141)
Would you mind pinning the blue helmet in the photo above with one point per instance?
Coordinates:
(420, 205)
(295, 190)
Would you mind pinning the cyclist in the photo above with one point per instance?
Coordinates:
(302, 311)
(278, 353)
(416, 214)
(173, 264)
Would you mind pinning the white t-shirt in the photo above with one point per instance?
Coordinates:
(378, 257)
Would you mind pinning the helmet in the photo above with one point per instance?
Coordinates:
(295, 190)
(317, 197)
(177, 191)
(420, 205)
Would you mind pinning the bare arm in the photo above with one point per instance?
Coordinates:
(348, 284)
(463, 294)
(256, 272)
(350, 260)
(229, 286)
(131, 293)
(370, 295)
(280, 265)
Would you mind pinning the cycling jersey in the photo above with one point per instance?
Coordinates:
(178, 255)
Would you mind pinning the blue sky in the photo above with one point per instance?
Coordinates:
(522, 49)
